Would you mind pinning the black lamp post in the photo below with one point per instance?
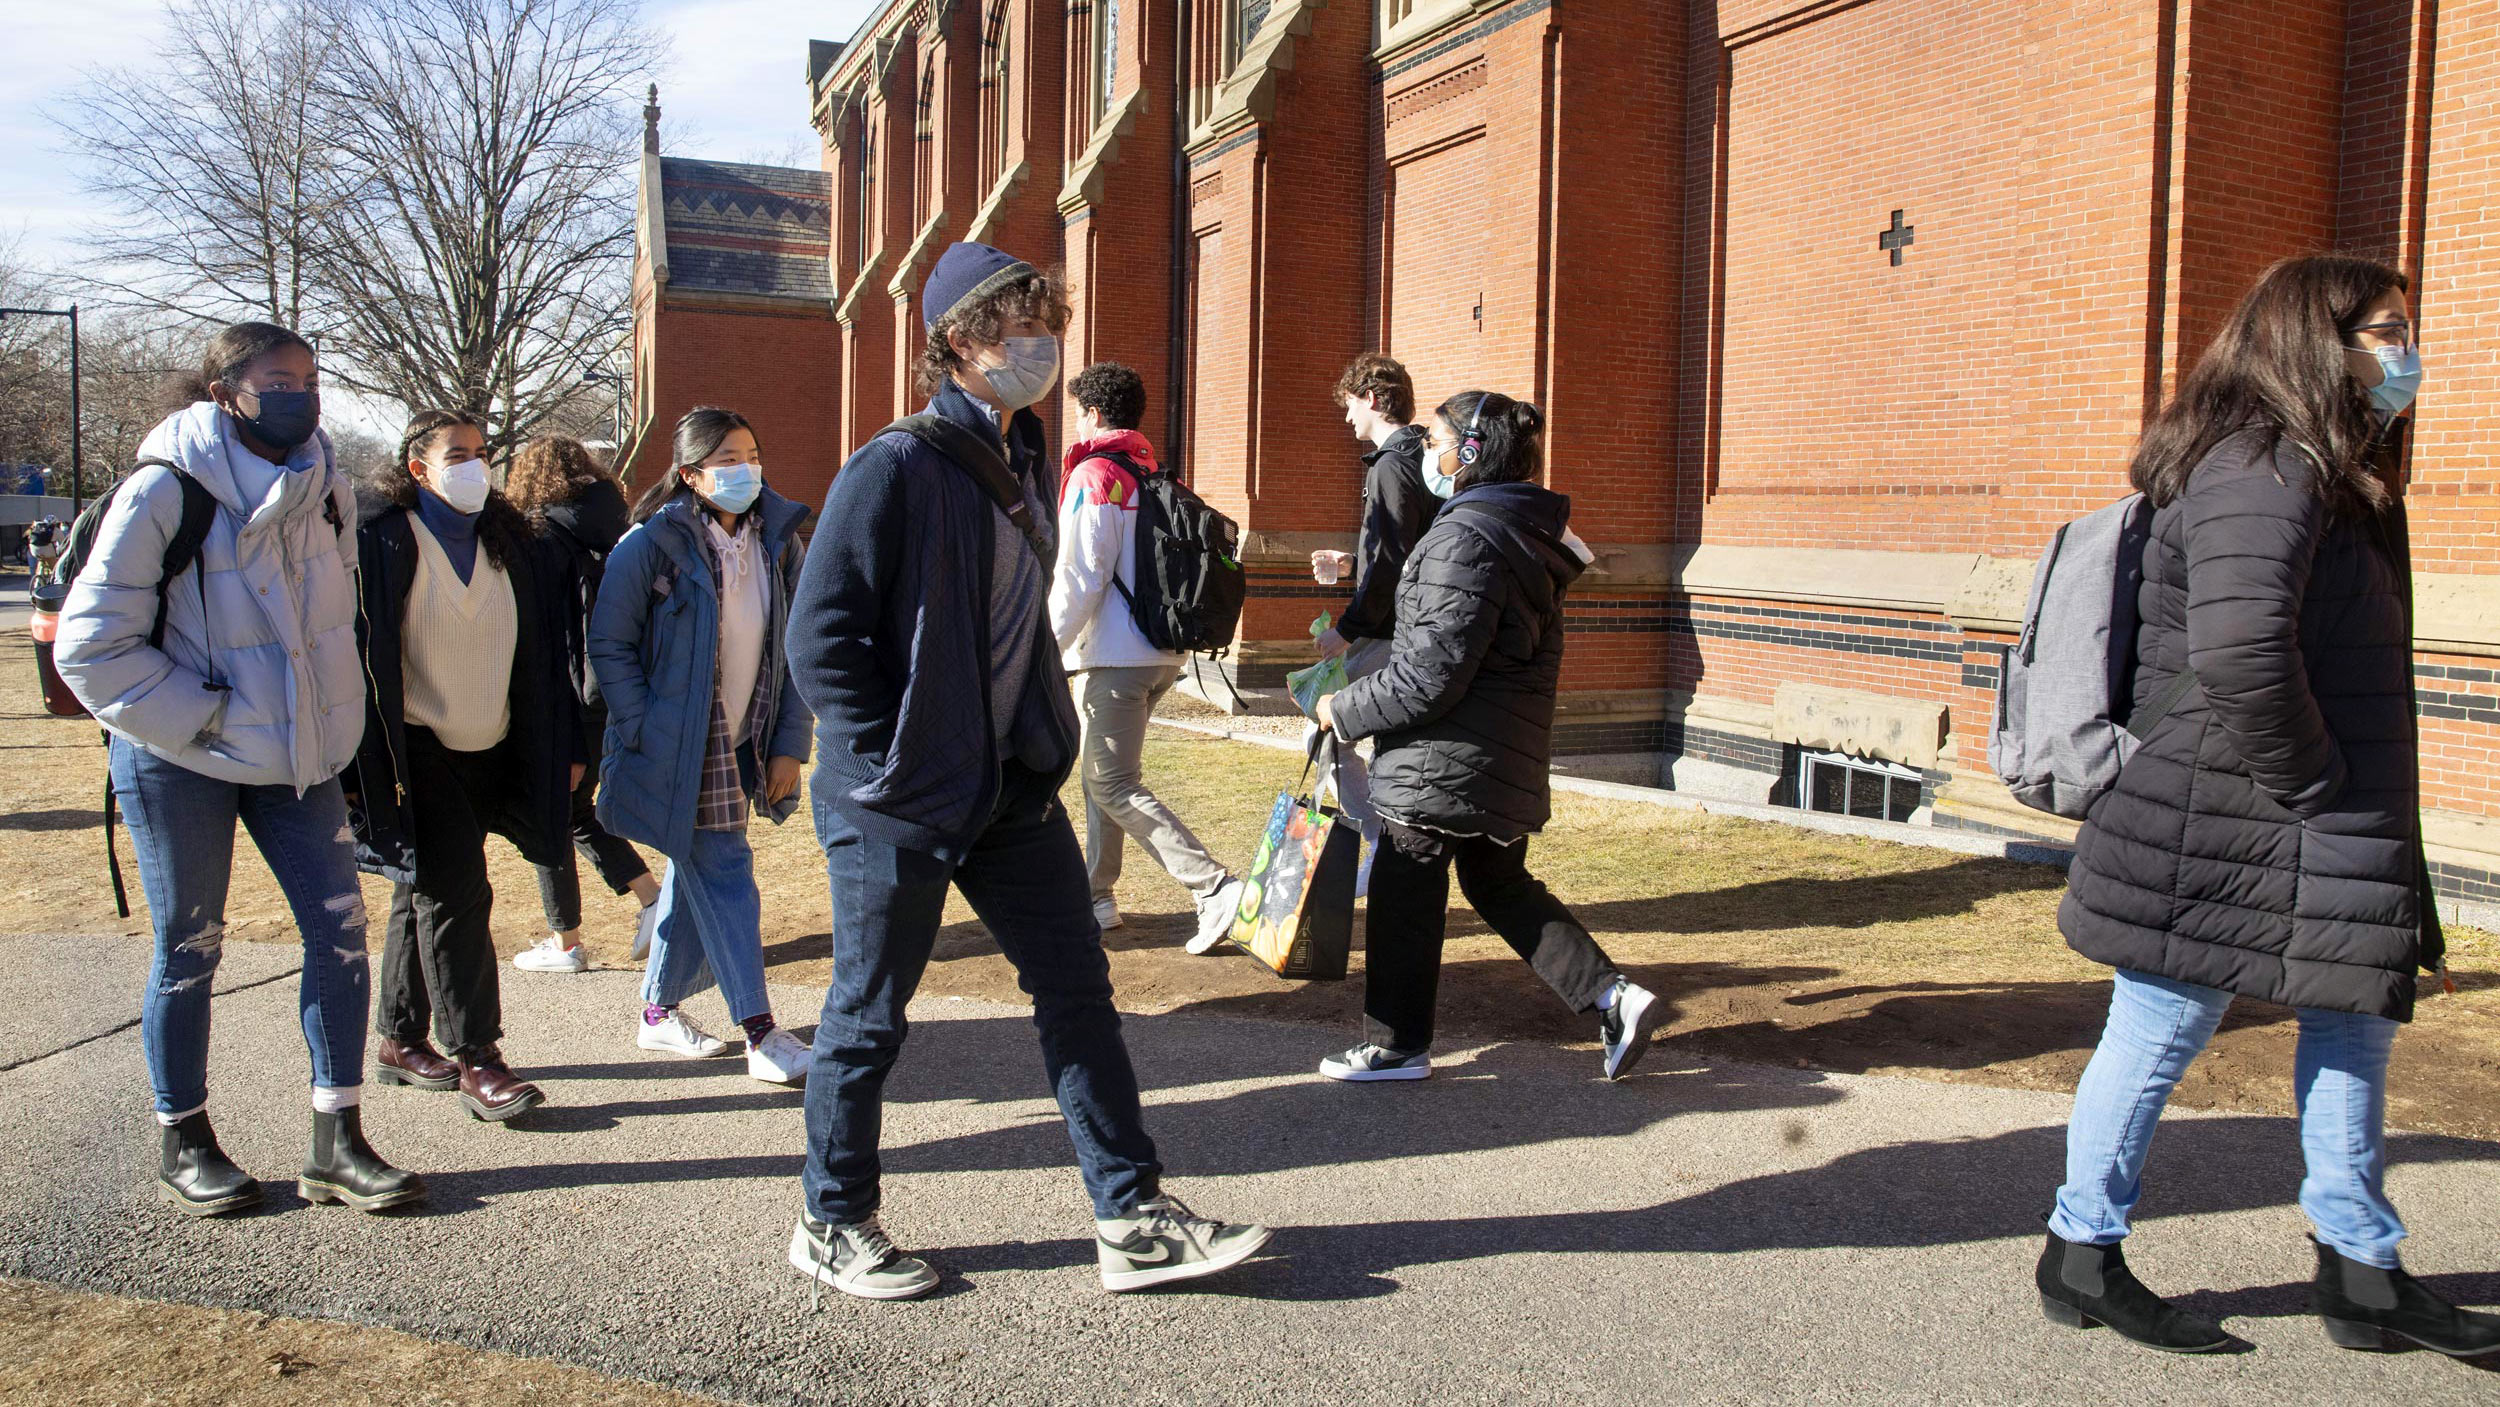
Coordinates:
(77, 427)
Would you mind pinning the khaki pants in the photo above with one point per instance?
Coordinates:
(1114, 706)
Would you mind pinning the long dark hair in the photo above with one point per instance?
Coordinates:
(228, 355)
(2278, 366)
(1510, 437)
(699, 432)
(501, 529)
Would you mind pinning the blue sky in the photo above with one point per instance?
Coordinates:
(733, 88)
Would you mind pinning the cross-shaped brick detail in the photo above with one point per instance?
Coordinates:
(1899, 237)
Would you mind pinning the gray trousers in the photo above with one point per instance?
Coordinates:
(1114, 706)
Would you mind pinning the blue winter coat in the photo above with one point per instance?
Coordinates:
(655, 645)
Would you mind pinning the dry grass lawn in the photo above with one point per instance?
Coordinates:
(1773, 944)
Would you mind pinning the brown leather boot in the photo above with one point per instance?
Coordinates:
(417, 1065)
(490, 1090)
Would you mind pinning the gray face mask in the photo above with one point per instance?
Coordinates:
(1028, 368)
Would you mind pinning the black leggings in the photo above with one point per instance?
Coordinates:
(560, 884)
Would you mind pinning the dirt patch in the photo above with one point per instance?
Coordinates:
(77, 1349)
(1773, 944)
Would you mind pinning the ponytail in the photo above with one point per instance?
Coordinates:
(1509, 434)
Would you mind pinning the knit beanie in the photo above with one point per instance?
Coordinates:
(964, 273)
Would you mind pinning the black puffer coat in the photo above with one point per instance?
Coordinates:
(2266, 839)
(587, 527)
(1464, 709)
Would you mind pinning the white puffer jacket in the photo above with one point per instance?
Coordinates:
(278, 629)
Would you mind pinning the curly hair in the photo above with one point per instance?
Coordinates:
(501, 530)
(1035, 295)
(1112, 391)
(1382, 378)
(551, 470)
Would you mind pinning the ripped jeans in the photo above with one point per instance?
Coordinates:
(182, 826)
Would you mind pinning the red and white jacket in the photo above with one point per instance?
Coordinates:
(1098, 537)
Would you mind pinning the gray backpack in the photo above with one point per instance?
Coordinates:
(2063, 702)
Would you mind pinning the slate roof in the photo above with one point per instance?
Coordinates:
(756, 230)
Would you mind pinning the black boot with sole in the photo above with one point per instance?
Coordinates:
(344, 1168)
(196, 1176)
(2081, 1286)
(2362, 1304)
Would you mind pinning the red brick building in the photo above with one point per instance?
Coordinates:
(1836, 307)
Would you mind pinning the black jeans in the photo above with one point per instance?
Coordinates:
(1410, 915)
(1025, 878)
(438, 964)
(560, 884)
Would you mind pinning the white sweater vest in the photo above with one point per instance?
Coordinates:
(455, 648)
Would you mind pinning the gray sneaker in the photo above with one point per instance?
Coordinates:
(1373, 1062)
(1163, 1240)
(857, 1259)
(1216, 914)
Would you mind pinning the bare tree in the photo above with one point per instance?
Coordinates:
(477, 255)
(214, 163)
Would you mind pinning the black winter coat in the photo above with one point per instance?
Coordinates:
(587, 527)
(545, 738)
(1464, 709)
(1397, 509)
(2266, 839)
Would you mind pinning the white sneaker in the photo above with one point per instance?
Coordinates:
(1626, 1026)
(1367, 1062)
(1107, 913)
(858, 1259)
(779, 1059)
(549, 954)
(644, 927)
(1216, 914)
(1164, 1240)
(678, 1035)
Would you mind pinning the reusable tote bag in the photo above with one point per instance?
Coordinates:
(1297, 904)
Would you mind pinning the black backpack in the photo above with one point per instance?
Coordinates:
(199, 510)
(1191, 584)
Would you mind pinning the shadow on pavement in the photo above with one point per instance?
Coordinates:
(1804, 901)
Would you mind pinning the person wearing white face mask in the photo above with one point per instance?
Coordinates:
(472, 726)
(703, 725)
(920, 638)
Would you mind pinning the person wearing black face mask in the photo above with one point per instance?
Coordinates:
(234, 694)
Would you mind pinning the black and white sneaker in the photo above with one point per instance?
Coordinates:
(857, 1259)
(1373, 1062)
(1627, 1026)
(1163, 1240)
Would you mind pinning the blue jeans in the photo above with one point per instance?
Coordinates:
(711, 927)
(1025, 877)
(2339, 1079)
(182, 826)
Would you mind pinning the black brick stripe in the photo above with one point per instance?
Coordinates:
(2458, 673)
(2470, 708)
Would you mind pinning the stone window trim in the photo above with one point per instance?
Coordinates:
(1398, 24)
(1246, 92)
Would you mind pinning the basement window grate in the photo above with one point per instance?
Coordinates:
(1843, 785)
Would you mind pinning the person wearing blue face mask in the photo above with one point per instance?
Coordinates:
(472, 727)
(704, 725)
(2265, 840)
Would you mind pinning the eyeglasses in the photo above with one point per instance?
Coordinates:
(2398, 332)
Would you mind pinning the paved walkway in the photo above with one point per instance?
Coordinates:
(1512, 1231)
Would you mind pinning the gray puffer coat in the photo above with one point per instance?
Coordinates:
(2266, 839)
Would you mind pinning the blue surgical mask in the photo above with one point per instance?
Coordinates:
(1442, 485)
(1028, 369)
(734, 487)
(2403, 377)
